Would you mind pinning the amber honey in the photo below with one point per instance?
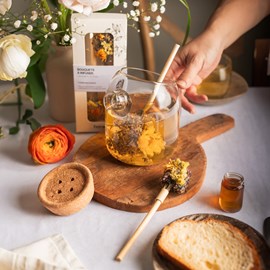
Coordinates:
(231, 192)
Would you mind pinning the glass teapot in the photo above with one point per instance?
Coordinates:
(141, 117)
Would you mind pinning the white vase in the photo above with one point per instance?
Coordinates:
(60, 86)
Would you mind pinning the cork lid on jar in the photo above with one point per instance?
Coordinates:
(66, 189)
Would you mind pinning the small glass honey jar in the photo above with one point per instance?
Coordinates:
(231, 192)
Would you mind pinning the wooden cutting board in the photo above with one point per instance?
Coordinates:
(134, 188)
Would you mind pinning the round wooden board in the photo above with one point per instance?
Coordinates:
(134, 188)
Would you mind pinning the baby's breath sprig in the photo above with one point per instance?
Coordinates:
(151, 14)
(137, 11)
(40, 22)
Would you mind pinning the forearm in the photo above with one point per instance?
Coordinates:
(235, 17)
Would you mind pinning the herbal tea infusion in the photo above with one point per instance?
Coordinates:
(139, 138)
(216, 85)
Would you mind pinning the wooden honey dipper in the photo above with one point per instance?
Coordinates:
(176, 178)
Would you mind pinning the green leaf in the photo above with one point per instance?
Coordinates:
(42, 62)
(14, 130)
(41, 54)
(35, 87)
(34, 59)
(34, 124)
(45, 6)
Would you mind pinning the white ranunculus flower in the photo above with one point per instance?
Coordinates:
(5, 5)
(85, 6)
(15, 53)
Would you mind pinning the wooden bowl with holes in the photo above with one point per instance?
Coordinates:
(66, 189)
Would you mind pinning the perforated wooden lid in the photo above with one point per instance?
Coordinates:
(66, 189)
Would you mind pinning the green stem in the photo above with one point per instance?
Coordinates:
(19, 102)
(45, 5)
(185, 3)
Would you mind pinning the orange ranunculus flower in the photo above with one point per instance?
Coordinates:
(49, 144)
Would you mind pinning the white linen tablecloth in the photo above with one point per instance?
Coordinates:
(97, 233)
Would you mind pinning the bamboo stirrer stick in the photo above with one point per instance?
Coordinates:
(161, 77)
(166, 189)
(158, 201)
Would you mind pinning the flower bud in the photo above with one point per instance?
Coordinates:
(15, 53)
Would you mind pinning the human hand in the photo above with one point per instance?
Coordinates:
(194, 62)
(190, 94)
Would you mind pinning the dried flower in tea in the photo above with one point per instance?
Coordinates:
(136, 139)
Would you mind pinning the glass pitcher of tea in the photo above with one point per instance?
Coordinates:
(141, 117)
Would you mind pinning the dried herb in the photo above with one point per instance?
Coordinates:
(135, 138)
(125, 134)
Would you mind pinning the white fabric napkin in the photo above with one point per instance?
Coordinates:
(52, 253)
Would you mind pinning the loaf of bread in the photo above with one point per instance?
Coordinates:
(207, 244)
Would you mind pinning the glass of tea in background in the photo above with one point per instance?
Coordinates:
(216, 85)
(231, 192)
(141, 117)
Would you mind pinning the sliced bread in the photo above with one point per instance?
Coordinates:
(207, 244)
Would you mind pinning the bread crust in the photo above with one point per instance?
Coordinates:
(179, 263)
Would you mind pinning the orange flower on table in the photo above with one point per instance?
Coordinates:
(50, 143)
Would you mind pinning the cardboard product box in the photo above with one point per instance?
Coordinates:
(99, 51)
